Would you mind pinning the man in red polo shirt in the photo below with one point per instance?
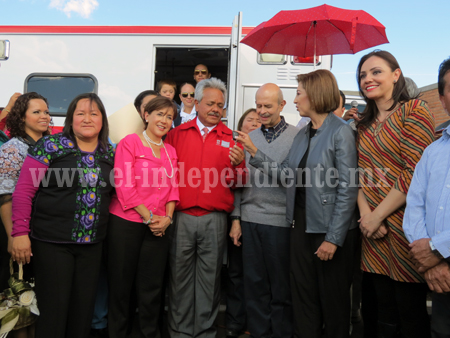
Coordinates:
(210, 166)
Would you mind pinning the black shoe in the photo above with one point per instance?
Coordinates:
(386, 330)
(232, 333)
(99, 333)
(356, 316)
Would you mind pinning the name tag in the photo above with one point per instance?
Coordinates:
(225, 144)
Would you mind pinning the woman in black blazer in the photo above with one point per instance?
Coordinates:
(320, 173)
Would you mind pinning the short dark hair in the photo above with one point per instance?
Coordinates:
(399, 94)
(202, 64)
(322, 90)
(444, 68)
(138, 100)
(343, 98)
(169, 82)
(15, 120)
(241, 120)
(158, 103)
(68, 129)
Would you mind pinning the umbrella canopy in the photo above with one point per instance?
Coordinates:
(322, 30)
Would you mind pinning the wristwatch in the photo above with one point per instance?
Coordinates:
(434, 250)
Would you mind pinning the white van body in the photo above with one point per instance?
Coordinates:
(123, 60)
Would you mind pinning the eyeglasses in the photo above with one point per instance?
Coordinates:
(185, 95)
(197, 72)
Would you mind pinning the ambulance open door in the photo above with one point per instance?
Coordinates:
(233, 72)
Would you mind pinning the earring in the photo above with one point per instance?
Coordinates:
(395, 81)
(146, 120)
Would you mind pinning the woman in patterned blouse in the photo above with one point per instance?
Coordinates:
(392, 135)
(27, 122)
(67, 176)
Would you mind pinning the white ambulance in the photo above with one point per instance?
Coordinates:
(118, 62)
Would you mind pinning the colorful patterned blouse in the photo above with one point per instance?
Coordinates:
(12, 155)
(72, 192)
(388, 153)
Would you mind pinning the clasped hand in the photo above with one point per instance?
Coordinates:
(422, 256)
(159, 224)
(438, 278)
(372, 226)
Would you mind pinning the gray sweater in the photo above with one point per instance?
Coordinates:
(263, 200)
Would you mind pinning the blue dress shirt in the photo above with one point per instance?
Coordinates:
(427, 213)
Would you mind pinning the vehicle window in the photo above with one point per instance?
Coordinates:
(60, 89)
(306, 61)
(271, 59)
(4, 49)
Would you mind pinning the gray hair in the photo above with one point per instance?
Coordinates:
(214, 83)
(411, 87)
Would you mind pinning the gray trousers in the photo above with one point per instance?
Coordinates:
(195, 259)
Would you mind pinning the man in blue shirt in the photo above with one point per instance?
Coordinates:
(426, 222)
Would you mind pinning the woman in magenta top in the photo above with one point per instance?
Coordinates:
(141, 213)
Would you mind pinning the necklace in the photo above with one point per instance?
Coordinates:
(150, 142)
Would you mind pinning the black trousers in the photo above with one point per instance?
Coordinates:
(369, 306)
(235, 315)
(401, 304)
(66, 283)
(4, 258)
(357, 277)
(320, 289)
(266, 280)
(135, 255)
(440, 320)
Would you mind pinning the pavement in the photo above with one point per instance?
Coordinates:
(357, 329)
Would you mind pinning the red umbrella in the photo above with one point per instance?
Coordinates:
(322, 30)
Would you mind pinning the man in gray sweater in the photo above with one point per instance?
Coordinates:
(261, 214)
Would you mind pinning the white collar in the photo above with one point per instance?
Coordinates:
(183, 113)
(201, 126)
